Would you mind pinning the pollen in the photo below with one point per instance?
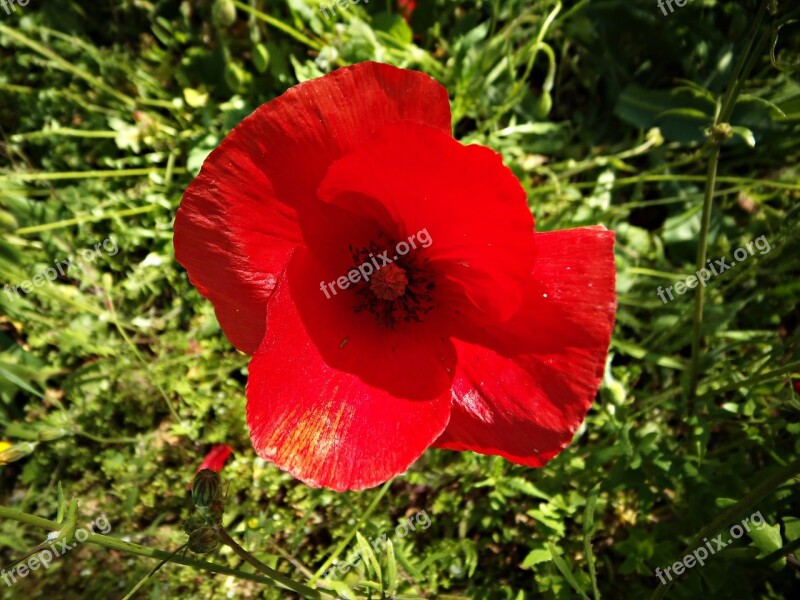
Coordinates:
(389, 283)
(401, 290)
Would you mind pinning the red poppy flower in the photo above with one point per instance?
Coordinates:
(407, 7)
(484, 336)
(216, 457)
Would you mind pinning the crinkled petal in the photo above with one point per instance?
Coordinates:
(325, 426)
(412, 360)
(243, 214)
(522, 389)
(470, 208)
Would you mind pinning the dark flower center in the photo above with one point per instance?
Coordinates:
(399, 290)
(389, 283)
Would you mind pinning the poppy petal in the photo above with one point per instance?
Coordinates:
(524, 388)
(413, 360)
(416, 179)
(216, 457)
(242, 215)
(324, 426)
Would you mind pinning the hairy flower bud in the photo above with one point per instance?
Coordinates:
(194, 523)
(205, 488)
(203, 540)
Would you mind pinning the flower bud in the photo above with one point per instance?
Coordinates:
(260, 58)
(205, 488)
(544, 105)
(224, 13)
(235, 77)
(13, 452)
(194, 523)
(216, 510)
(203, 540)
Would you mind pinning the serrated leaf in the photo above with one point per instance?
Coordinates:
(415, 573)
(394, 25)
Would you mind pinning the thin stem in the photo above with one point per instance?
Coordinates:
(63, 131)
(115, 320)
(15, 177)
(65, 65)
(781, 552)
(702, 253)
(130, 548)
(300, 37)
(740, 72)
(155, 570)
(86, 219)
(365, 515)
(779, 185)
(270, 572)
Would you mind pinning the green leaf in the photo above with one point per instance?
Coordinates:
(343, 590)
(566, 571)
(394, 25)
(368, 556)
(19, 382)
(773, 109)
(62, 504)
(768, 540)
(679, 115)
(261, 58)
(588, 530)
(391, 570)
(534, 557)
(744, 133)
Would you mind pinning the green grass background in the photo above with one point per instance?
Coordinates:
(117, 379)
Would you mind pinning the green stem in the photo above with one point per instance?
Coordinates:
(702, 252)
(272, 573)
(129, 548)
(86, 219)
(781, 552)
(738, 76)
(343, 544)
(64, 131)
(84, 174)
(155, 570)
(142, 360)
(65, 64)
(779, 185)
(314, 45)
